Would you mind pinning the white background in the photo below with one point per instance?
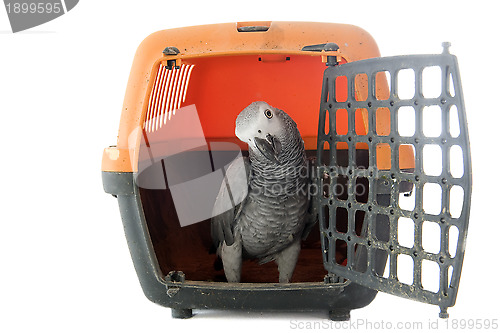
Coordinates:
(64, 261)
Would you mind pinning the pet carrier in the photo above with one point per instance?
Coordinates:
(388, 142)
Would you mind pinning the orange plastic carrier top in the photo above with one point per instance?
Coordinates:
(230, 67)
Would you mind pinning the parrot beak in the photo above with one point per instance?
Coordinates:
(269, 147)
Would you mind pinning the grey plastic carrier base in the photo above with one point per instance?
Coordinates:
(174, 291)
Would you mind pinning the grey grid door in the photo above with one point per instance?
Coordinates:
(405, 233)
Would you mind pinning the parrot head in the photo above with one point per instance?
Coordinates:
(265, 129)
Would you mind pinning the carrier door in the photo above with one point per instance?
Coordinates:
(395, 199)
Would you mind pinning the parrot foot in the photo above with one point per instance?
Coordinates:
(286, 261)
(232, 260)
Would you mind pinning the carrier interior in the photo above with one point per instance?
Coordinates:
(220, 87)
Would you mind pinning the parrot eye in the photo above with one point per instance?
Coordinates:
(268, 113)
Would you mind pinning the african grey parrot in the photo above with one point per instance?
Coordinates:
(274, 211)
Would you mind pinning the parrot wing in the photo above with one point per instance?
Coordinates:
(230, 201)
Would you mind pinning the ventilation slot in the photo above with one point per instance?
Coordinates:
(168, 92)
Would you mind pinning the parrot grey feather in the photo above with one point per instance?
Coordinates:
(276, 214)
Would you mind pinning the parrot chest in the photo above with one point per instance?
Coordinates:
(268, 225)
